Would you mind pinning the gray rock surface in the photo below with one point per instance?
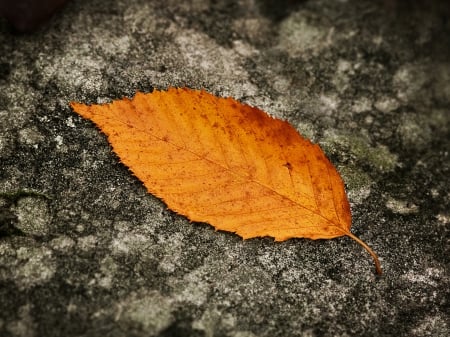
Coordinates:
(86, 251)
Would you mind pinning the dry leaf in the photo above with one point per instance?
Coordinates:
(218, 161)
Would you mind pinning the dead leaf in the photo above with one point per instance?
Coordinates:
(231, 165)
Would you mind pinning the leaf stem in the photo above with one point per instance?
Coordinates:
(369, 250)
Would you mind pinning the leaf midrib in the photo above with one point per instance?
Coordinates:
(225, 168)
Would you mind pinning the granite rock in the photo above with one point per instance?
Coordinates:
(86, 251)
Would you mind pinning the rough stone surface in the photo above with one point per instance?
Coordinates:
(85, 251)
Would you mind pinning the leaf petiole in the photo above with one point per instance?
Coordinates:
(369, 250)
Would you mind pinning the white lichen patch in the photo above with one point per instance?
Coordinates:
(30, 136)
(430, 276)
(422, 82)
(430, 325)
(108, 268)
(387, 104)
(173, 250)
(87, 242)
(192, 289)
(281, 84)
(59, 140)
(409, 80)
(77, 66)
(443, 218)
(361, 104)
(113, 45)
(244, 49)
(35, 266)
(345, 67)
(62, 243)
(69, 122)
(24, 325)
(415, 130)
(344, 71)
(33, 215)
(299, 35)
(19, 98)
(329, 103)
(253, 29)
(147, 310)
(307, 130)
(401, 206)
(217, 65)
(213, 320)
(140, 18)
(242, 334)
(129, 243)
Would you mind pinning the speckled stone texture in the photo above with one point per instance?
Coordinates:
(85, 251)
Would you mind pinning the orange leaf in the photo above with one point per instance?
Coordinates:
(218, 161)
